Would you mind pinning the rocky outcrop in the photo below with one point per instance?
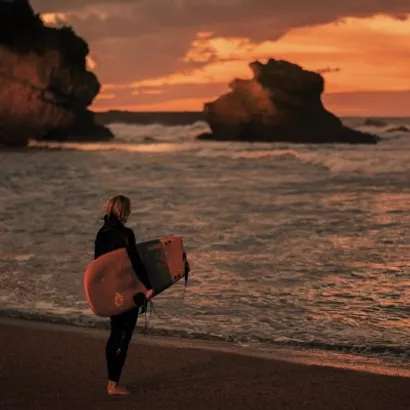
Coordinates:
(45, 87)
(84, 128)
(281, 103)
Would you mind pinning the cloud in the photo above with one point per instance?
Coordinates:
(136, 40)
(49, 6)
(328, 70)
(147, 95)
(247, 18)
(258, 20)
(123, 32)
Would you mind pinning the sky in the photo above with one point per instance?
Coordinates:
(173, 55)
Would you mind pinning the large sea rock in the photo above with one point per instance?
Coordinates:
(45, 87)
(282, 102)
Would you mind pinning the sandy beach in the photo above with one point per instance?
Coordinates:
(48, 366)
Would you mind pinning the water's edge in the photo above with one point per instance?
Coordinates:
(297, 355)
(388, 356)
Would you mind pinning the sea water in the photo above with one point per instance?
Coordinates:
(291, 245)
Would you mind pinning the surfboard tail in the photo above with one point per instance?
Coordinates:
(187, 268)
(186, 273)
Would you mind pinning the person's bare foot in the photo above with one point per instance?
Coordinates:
(114, 389)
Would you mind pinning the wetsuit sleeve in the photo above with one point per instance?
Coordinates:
(136, 261)
(97, 247)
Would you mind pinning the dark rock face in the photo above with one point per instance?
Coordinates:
(281, 103)
(45, 87)
(84, 128)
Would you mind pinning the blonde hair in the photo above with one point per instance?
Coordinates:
(120, 206)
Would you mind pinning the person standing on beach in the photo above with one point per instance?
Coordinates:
(111, 236)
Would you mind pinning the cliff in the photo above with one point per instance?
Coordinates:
(45, 87)
(282, 102)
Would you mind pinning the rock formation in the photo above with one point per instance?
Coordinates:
(281, 103)
(45, 87)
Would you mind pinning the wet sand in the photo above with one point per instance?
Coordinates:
(46, 366)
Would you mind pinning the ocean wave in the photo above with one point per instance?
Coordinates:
(157, 138)
(158, 132)
(337, 161)
(232, 153)
(351, 161)
(355, 162)
(161, 147)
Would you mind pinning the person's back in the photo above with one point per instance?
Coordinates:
(112, 235)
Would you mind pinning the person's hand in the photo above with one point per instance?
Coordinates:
(150, 294)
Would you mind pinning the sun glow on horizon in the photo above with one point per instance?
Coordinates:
(359, 47)
(53, 18)
(363, 54)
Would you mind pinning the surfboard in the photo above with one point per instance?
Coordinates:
(110, 281)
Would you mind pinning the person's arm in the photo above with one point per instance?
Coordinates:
(97, 246)
(136, 261)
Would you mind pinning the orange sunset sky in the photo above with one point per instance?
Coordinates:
(166, 55)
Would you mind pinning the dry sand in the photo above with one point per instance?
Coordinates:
(46, 366)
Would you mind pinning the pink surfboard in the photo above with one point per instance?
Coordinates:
(110, 281)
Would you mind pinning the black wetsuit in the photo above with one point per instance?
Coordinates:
(114, 235)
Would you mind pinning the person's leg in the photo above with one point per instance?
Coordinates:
(122, 327)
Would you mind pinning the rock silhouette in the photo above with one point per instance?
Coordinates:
(281, 103)
(45, 87)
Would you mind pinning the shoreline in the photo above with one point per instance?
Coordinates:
(48, 366)
(296, 355)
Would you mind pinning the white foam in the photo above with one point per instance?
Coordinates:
(111, 146)
(233, 153)
(158, 132)
(24, 257)
(334, 159)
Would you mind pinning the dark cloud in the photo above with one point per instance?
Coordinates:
(136, 39)
(218, 13)
(122, 61)
(327, 70)
(256, 19)
(52, 6)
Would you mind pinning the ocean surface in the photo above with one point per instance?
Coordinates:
(289, 245)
